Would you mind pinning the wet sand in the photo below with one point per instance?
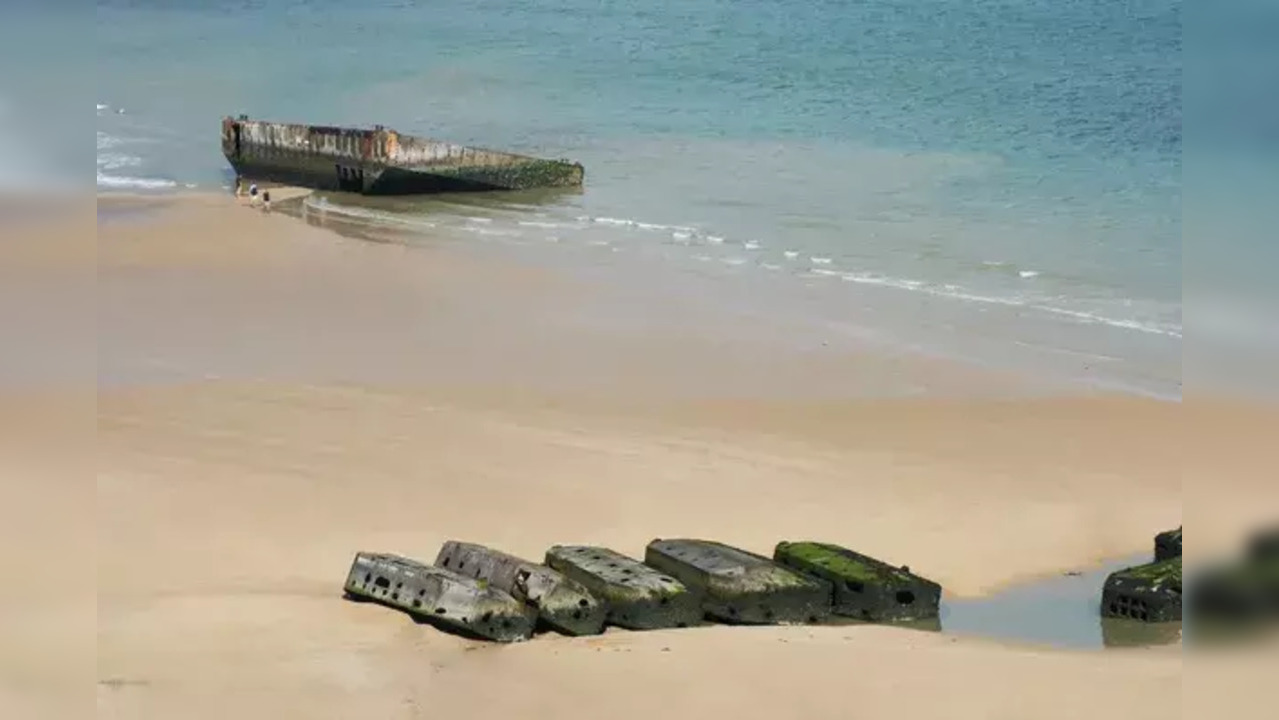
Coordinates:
(274, 397)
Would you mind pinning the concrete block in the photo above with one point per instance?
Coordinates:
(637, 596)
(741, 587)
(1168, 544)
(1149, 593)
(440, 596)
(864, 587)
(561, 602)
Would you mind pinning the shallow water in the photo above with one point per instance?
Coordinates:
(1008, 165)
(1061, 611)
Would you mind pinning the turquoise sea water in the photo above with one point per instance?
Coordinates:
(1003, 163)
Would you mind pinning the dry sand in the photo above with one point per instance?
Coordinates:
(231, 497)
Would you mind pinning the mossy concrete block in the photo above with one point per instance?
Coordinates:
(561, 602)
(636, 596)
(1168, 545)
(1149, 593)
(865, 588)
(738, 586)
(1246, 590)
(440, 596)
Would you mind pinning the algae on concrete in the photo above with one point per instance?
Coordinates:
(637, 596)
(561, 602)
(1149, 593)
(738, 586)
(439, 596)
(864, 587)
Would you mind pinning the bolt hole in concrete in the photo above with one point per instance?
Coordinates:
(583, 602)
(664, 601)
(905, 597)
(854, 586)
(1062, 611)
(382, 582)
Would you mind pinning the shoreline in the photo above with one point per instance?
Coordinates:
(273, 397)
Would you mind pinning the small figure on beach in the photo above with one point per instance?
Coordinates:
(253, 194)
(239, 186)
(266, 200)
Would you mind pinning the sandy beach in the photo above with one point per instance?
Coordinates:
(273, 397)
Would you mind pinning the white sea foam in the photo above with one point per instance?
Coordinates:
(790, 254)
(115, 161)
(680, 235)
(750, 245)
(821, 260)
(1027, 274)
(540, 224)
(323, 205)
(714, 239)
(957, 293)
(133, 183)
(637, 224)
(493, 233)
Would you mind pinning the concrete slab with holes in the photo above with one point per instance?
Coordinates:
(864, 587)
(637, 596)
(1147, 593)
(561, 602)
(442, 597)
(738, 586)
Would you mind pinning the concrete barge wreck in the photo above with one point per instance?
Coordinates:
(380, 161)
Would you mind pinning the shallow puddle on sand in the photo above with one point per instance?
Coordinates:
(1060, 611)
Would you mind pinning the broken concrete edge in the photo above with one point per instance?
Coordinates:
(447, 600)
(561, 602)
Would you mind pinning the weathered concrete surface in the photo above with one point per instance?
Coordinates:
(637, 596)
(380, 161)
(561, 602)
(1168, 544)
(864, 587)
(1149, 593)
(741, 587)
(441, 596)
